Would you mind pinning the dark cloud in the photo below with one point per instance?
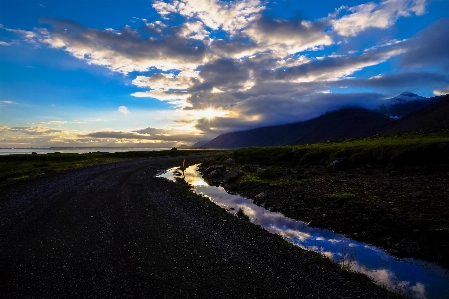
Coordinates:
(285, 29)
(292, 35)
(125, 44)
(227, 73)
(402, 81)
(329, 67)
(274, 109)
(430, 47)
(232, 48)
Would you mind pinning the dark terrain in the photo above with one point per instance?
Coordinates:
(422, 115)
(433, 117)
(116, 231)
(341, 124)
(392, 192)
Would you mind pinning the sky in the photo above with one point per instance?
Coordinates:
(170, 73)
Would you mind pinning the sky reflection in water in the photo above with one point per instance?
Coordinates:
(416, 278)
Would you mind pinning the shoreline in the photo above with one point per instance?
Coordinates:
(400, 211)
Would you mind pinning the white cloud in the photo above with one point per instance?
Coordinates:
(257, 72)
(372, 15)
(229, 16)
(2, 43)
(164, 81)
(441, 91)
(287, 36)
(124, 51)
(123, 110)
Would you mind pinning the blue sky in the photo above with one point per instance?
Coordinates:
(168, 73)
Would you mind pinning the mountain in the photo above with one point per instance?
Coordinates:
(199, 143)
(433, 117)
(341, 124)
(403, 104)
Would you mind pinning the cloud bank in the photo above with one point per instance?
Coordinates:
(258, 68)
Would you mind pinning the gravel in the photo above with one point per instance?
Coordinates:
(117, 231)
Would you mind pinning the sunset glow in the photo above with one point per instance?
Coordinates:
(78, 73)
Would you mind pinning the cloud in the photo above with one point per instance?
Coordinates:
(287, 36)
(331, 67)
(6, 103)
(401, 81)
(442, 91)
(429, 47)
(164, 81)
(126, 50)
(255, 69)
(123, 110)
(229, 16)
(148, 134)
(372, 15)
(290, 107)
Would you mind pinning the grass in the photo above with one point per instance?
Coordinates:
(19, 167)
(382, 151)
(392, 151)
(392, 192)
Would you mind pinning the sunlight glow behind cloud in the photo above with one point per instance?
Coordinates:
(253, 65)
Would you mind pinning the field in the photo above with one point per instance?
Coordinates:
(19, 167)
(390, 191)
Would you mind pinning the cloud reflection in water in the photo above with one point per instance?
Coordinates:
(425, 281)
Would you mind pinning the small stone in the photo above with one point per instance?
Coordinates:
(231, 176)
(338, 165)
(260, 195)
(230, 161)
(416, 194)
(260, 171)
(215, 174)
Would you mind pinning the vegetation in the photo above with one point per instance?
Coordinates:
(17, 167)
(392, 151)
(391, 191)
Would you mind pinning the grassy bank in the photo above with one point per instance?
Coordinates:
(19, 167)
(389, 191)
(382, 151)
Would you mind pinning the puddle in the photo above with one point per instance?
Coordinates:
(415, 278)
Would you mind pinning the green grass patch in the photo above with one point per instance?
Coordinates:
(342, 195)
(392, 151)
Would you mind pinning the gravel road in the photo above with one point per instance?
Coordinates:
(116, 231)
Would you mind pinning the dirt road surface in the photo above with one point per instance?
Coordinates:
(117, 231)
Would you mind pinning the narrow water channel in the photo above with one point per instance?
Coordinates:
(416, 278)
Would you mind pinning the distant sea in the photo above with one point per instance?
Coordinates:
(77, 150)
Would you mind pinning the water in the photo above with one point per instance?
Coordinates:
(75, 150)
(416, 278)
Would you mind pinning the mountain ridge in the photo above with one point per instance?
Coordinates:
(344, 123)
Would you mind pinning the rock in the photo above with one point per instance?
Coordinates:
(214, 167)
(231, 176)
(260, 171)
(416, 194)
(260, 195)
(215, 174)
(246, 168)
(338, 165)
(230, 161)
(444, 147)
